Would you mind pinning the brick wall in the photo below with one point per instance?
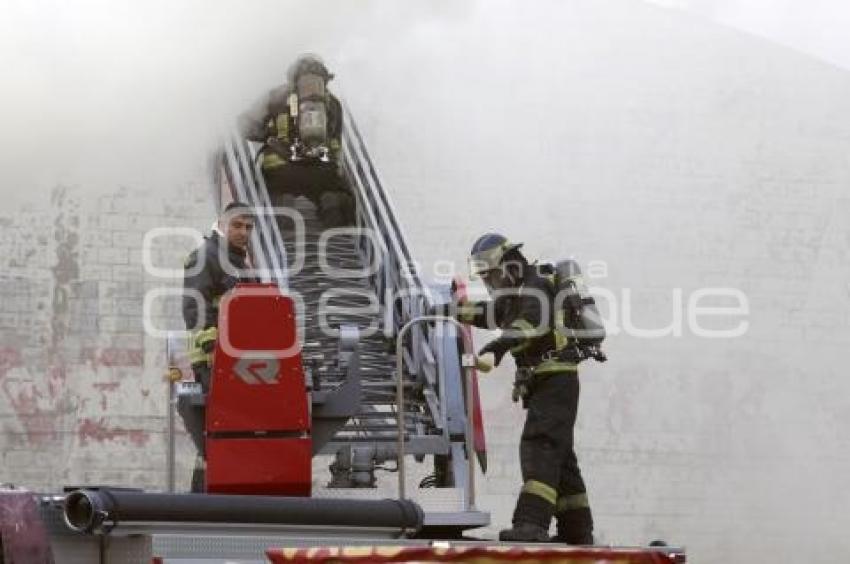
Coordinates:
(82, 398)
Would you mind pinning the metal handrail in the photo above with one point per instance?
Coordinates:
(268, 246)
(382, 202)
(170, 446)
(378, 201)
(396, 266)
(468, 363)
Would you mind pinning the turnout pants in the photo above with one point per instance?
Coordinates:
(194, 418)
(552, 481)
(321, 184)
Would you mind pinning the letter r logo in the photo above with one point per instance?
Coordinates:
(257, 370)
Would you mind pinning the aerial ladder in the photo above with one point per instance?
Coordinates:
(356, 287)
(378, 384)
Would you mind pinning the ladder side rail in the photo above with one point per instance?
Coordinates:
(399, 288)
(367, 221)
(253, 198)
(391, 285)
(398, 261)
(381, 193)
(386, 222)
(236, 182)
(421, 353)
(372, 236)
(241, 182)
(265, 201)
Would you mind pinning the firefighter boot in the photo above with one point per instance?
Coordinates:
(531, 518)
(575, 526)
(524, 532)
(336, 209)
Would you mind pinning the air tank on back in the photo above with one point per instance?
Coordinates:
(582, 315)
(312, 110)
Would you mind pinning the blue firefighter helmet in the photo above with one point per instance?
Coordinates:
(488, 252)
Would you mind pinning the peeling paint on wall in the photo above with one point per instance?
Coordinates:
(91, 430)
(77, 388)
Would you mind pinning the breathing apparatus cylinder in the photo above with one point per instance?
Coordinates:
(582, 319)
(312, 110)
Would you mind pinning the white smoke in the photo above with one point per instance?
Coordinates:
(679, 152)
(100, 94)
(817, 28)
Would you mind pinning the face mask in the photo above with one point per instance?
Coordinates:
(497, 279)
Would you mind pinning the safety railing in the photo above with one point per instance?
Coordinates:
(424, 357)
(396, 281)
(245, 182)
(467, 362)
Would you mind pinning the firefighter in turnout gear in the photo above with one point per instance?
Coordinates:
(300, 127)
(210, 271)
(522, 306)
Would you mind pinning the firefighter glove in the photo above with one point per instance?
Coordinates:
(174, 374)
(496, 349)
(485, 362)
(206, 339)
